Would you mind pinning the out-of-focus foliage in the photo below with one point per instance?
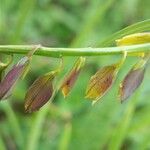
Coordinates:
(73, 123)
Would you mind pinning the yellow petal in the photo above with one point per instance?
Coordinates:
(137, 38)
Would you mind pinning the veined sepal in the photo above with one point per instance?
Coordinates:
(103, 80)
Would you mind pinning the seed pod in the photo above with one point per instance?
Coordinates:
(132, 80)
(40, 92)
(137, 38)
(101, 82)
(71, 78)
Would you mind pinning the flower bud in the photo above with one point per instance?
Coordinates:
(17, 71)
(101, 82)
(137, 38)
(12, 77)
(132, 80)
(40, 92)
(71, 78)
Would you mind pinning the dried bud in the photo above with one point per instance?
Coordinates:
(11, 78)
(132, 80)
(71, 78)
(137, 38)
(40, 92)
(101, 82)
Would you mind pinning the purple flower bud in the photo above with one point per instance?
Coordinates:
(12, 77)
(131, 82)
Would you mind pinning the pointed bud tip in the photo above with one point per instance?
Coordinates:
(65, 91)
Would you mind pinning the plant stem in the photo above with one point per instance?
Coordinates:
(36, 129)
(59, 52)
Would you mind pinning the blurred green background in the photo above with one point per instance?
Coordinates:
(72, 123)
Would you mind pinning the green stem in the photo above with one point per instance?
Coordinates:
(66, 136)
(59, 52)
(36, 129)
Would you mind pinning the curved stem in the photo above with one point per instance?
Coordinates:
(59, 52)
